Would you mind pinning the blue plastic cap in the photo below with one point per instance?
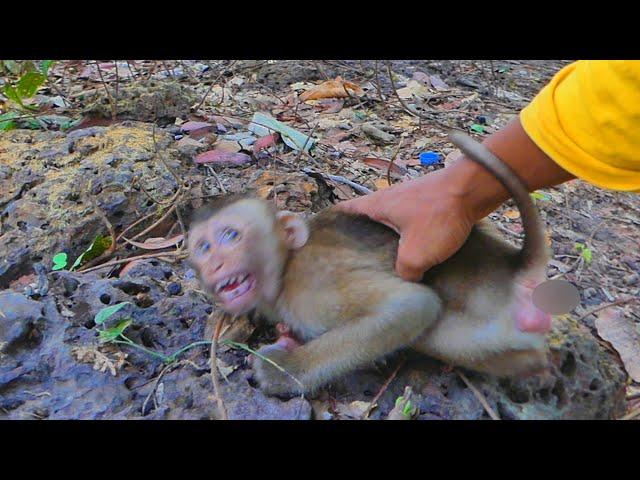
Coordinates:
(429, 158)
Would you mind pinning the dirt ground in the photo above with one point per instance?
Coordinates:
(127, 150)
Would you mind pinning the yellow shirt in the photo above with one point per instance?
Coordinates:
(587, 119)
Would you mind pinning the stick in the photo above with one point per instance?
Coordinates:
(131, 259)
(481, 398)
(612, 304)
(214, 368)
(383, 389)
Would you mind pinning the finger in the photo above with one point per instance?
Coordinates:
(412, 262)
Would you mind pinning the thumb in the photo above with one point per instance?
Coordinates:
(412, 261)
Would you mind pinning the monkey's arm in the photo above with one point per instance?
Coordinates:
(399, 320)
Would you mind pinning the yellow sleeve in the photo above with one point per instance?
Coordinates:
(587, 119)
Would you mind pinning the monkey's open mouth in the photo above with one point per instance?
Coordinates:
(232, 287)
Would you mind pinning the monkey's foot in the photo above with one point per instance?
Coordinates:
(529, 318)
(278, 379)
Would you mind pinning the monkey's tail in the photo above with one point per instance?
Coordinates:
(534, 248)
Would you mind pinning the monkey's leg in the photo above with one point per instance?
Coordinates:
(398, 320)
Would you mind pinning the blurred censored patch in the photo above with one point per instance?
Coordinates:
(556, 297)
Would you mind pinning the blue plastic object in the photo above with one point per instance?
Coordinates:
(429, 158)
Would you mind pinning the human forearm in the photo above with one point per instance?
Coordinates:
(481, 192)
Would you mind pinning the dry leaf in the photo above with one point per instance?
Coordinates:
(512, 214)
(383, 165)
(413, 88)
(156, 243)
(265, 142)
(381, 183)
(623, 336)
(332, 89)
(353, 410)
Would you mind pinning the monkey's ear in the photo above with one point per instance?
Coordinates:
(296, 231)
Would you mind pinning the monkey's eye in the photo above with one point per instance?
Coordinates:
(202, 248)
(229, 235)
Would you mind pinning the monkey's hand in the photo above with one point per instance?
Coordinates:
(276, 380)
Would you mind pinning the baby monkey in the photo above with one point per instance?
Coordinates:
(331, 281)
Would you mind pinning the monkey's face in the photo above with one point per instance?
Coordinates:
(239, 254)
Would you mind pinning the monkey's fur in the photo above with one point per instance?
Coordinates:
(337, 289)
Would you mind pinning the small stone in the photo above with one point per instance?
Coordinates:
(631, 279)
(174, 288)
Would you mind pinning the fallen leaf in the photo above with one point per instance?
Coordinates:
(156, 243)
(437, 83)
(128, 267)
(413, 88)
(227, 146)
(330, 105)
(621, 334)
(353, 410)
(265, 142)
(262, 124)
(381, 183)
(383, 165)
(222, 157)
(332, 89)
(421, 77)
(512, 214)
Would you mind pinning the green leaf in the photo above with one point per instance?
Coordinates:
(476, 127)
(106, 312)
(6, 121)
(262, 124)
(406, 411)
(34, 123)
(586, 254)
(540, 196)
(12, 94)
(45, 66)
(112, 333)
(29, 83)
(99, 245)
(59, 261)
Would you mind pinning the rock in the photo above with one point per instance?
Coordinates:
(631, 279)
(20, 321)
(174, 288)
(146, 102)
(45, 212)
(585, 382)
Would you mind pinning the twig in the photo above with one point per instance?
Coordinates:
(632, 414)
(213, 83)
(481, 398)
(137, 222)
(383, 388)
(215, 175)
(413, 112)
(105, 220)
(393, 159)
(131, 259)
(621, 301)
(156, 383)
(214, 367)
(338, 178)
(111, 101)
(155, 224)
